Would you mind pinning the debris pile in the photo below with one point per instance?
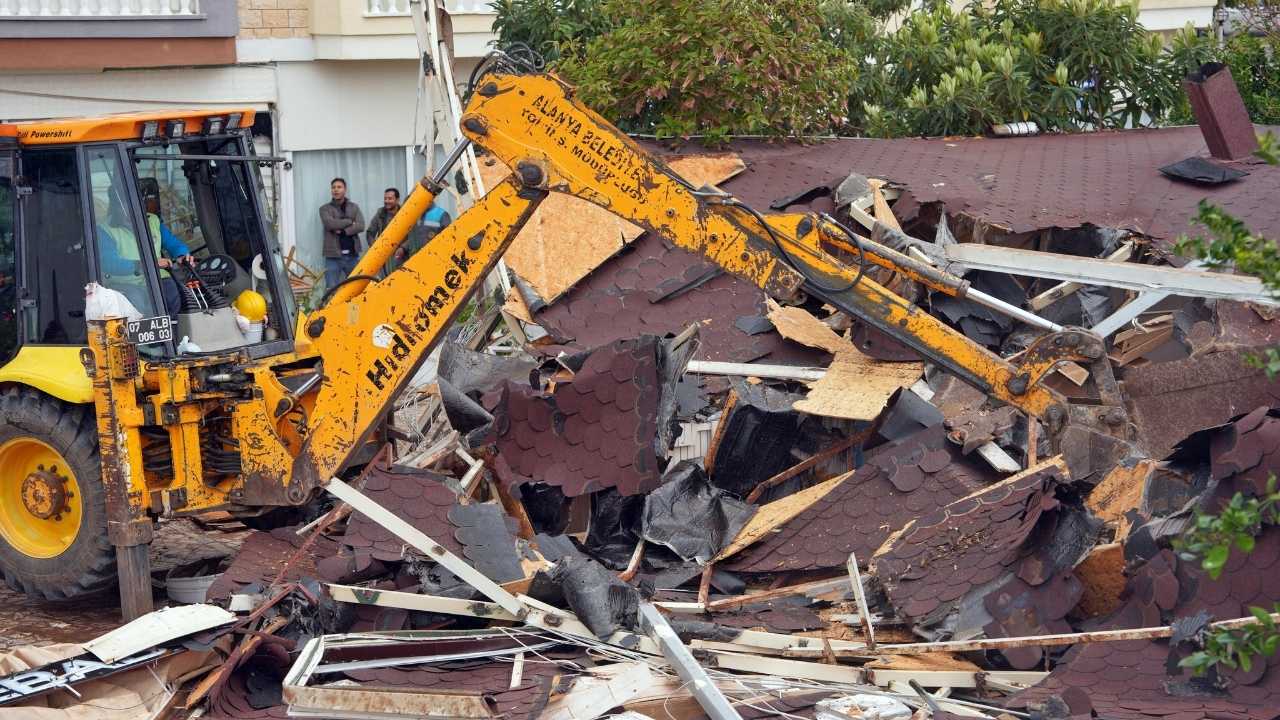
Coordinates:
(639, 488)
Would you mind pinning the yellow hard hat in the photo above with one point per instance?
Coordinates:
(251, 305)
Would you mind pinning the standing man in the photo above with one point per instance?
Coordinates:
(343, 223)
(382, 218)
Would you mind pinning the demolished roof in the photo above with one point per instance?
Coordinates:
(941, 567)
(595, 431)
(899, 482)
(655, 288)
(1138, 679)
(1170, 400)
(479, 532)
(1107, 179)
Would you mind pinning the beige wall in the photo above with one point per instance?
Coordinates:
(275, 18)
(346, 17)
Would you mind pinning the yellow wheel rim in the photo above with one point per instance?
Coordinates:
(40, 508)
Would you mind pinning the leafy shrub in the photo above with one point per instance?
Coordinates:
(546, 26)
(1065, 64)
(1255, 66)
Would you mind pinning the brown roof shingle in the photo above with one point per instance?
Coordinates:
(1109, 179)
(593, 432)
(980, 544)
(899, 482)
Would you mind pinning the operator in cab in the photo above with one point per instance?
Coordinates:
(119, 255)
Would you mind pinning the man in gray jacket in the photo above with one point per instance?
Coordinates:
(343, 222)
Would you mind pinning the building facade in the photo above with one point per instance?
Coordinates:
(335, 82)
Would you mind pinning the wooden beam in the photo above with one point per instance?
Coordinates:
(951, 678)
(1062, 290)
(782, 667)
(855, 439)
(709, 462)
(805, 588)
(1147, 633)
(760, 370)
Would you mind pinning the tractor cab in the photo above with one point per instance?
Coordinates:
(166, 209)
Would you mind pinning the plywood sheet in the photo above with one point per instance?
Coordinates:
(799, 325)
(1119, 492)
(856, 387)
(567, 237)
(1102, 575)
(778, 513)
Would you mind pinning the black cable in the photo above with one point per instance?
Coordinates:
(791, 262)
(516, 58)
(324, 300)
(857, 242)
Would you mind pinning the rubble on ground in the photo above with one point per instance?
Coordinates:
(639, 489)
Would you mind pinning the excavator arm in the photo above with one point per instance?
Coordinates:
(552, 141)
(372, 336)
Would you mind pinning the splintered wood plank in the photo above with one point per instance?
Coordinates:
(709, 462)
(567, 237)
(881, 206)
(778, 513)
(515, 307)
(857, 387)
(1073, 372)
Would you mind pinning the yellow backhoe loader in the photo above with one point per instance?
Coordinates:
(107, 425)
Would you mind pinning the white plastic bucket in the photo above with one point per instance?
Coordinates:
(189, 590)
(254, 334)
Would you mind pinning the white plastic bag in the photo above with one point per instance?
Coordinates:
(186, 346)
(102, 303)
(243, 323)
(862, 707)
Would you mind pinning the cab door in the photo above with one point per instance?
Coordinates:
(53, 253)
(8, 258)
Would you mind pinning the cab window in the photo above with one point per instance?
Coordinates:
(55, 266)
(209, 205)
(122, 258)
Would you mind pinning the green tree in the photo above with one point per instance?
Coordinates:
(1230, 244)
(678, 68)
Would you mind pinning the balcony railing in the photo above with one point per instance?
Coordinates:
(99, 9)
(400, 8)
(387, 8)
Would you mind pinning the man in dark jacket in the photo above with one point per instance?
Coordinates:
(432, 222)
(343, 222)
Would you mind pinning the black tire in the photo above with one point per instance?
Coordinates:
(88, 566)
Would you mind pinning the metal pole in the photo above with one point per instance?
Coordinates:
(449, 161)
(1012, 311)
(704, 689)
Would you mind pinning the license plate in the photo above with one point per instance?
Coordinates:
(149, 331)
